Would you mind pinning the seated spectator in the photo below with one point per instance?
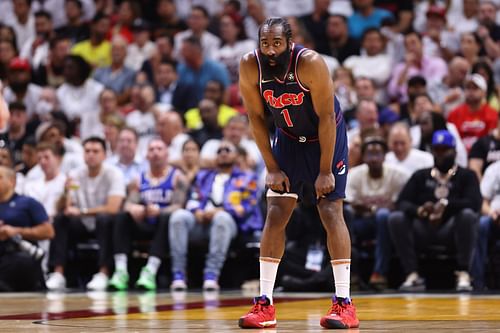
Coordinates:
(190, 161)
(7, 161)
(438, 206)
(474, 118)
(438, 39)
(366, 117)
(117, 76)
(79, 95)
(373, 63)
(483, 67)
(162, 191)
(210, 128)
(96, 50)
(416, 63)
(488, 224)
(344, 88)
(16, 133)
(50, 73)
(485, 151)
(171, 130)
(169, 91)
(365, 16)
(372, 190)
(22, 219)
(427, 124)
(236, 132)
(223, 204)
(86, 212)
(402, 154)
(141, 48)
(339, 43)
(214, 90)
(126, 159)
(113, 124)
(76, 29)
(36, 48)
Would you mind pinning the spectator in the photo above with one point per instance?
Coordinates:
(465, 20)
(214, 90)
(79, 97)
(316, 22)
(366, 117)
(374, 63)
(210, 128)
(163, 52)
(162, 191)
(36, 48)
(372, 190)
(365, 16)
(487, 19)
(76, 29)
(117, 76)
(169, 91)
(483, 68)
(197, 71)
(128, 11)
(223, 204)
(474, 118)
(20, 89)
(171, 130)
(417, 85)
(28, 159)
(126, 159)
(402, 12)
(438, 206)
(21, 218)
(439, 40)
(96, 50)
(197, 22)
(485, 151)
(108, 102)
(343, 85)
(23, 21)
(87, 212)
(141, 48)
(168, 22)
(470, 47)
(8, 52)
(449, 93)
(190, 161)
(416, 63)
(113, 124)
(50, 72)
(402, 154)
(339, 43)
(16, 133)
(488, 223)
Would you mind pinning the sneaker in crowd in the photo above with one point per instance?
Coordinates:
(56, 281)
(119, 280)
(178, 282)
(413, 283)
(99, 282)
(261, 315)
(147, 280)
(210, 282)
(463, 281)
(342, 315)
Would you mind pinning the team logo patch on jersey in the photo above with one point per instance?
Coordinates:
(291, 77)
(341, 168)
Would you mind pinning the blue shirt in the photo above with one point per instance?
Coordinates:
(210, 71)
(22, 211)
(358, 23)
(116, 81)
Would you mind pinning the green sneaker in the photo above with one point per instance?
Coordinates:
(119, 280)
(147, 280)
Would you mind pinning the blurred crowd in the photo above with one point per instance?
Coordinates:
(126, 124)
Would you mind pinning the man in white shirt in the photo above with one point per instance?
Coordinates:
(98, 190)
(402, 154)
(23, 21)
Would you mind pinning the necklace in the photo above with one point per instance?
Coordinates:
(442, 191)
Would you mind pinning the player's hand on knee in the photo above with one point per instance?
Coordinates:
(278, 181)
(324, 184)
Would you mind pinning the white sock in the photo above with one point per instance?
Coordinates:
(342, 276)
(121, 262)
(268, 271)
(153, 264)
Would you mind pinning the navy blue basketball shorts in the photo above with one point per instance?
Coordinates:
(300, 160)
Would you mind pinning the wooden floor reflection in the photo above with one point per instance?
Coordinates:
(214, 312)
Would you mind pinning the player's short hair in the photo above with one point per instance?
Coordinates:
(287, 30)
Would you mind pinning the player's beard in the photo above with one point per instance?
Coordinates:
(281, 63)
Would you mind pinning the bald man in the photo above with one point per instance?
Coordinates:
(21, 218)
(170, 128)
(402, 154)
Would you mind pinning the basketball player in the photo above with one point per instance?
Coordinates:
(309, 146)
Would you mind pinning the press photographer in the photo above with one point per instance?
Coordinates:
(22, 220)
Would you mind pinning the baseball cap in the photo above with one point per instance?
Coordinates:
(478, 80)
(443, 138)
(19, 64)
(436, 11)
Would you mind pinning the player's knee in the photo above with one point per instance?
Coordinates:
(276, 216)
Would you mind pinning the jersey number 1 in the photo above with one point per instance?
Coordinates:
(287, 118)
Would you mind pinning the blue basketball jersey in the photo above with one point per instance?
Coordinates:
(160, 194)
(289, 101)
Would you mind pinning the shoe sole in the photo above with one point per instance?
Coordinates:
(241, 324)
(335, 324)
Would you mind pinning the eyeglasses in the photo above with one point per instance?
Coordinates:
(224, 150)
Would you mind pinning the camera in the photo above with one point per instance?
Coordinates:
(34, 251)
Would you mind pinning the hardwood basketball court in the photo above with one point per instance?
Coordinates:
(213, 312)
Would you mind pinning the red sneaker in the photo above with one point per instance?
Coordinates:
(261, 315)
(342, 314)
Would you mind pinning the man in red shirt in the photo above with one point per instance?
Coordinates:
(474, 118)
